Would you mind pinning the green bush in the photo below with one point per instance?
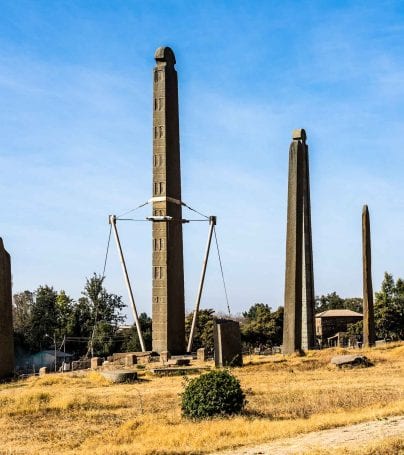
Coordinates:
(215, 393)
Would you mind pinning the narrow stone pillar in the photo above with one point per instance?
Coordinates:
(6, 316)
(202, 354)
(165, 356)
(43, 371)
(369, 336)
(227, 343)
(130, 360)
(168, 305)
(298, 328)
(96, 362)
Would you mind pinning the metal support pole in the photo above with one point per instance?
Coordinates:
(112, 221)
(212, 223)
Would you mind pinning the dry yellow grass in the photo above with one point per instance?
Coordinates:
(83, 414)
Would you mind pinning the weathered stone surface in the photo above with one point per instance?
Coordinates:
(351, 361)
(6, 317)
(130, 359)
(43, 371)
(299, 329)
(380, 342)
(177, 371)
(369, 335)
(202, 354)
(299, 134)
(144, 359)
(81, 364)
(119, 376)
(120, 356)
(168, 269)
(164, 356)
(96, 362)
(227, 341)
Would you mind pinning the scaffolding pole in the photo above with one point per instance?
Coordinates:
(212, 224)
(112, 222)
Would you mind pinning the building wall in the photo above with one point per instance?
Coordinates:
(328, 326)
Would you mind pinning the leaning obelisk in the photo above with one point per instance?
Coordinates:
(369, 335)
(168, 267)
(6, 317)
(298, 327)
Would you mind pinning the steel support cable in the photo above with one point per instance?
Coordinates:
(106, 253)
(132, 210)
(221, 270)
(196, 211)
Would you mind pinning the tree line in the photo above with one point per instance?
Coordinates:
(92, 324)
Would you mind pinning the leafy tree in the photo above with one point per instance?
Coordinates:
(389, 309)
(355, 330)
(40, 316)
(105, 310)
(262, 326)
(333, 301)
(330, 301)
(131, 341)
(354, 304)
(22, 313)
(44, 314)
(44, 317)
(64, 311)
(203, 335)
(22, 306)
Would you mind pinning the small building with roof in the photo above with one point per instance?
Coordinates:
(329, 323)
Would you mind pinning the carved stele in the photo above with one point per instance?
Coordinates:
(298, 329)
(168, 269)
(6, 317)
(369, 336)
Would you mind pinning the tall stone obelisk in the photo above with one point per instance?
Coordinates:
(6, 317)
(369, 336)
(168, 266)
(298, 327)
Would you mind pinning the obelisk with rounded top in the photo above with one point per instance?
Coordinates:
(298, 327)
(369, 336)
(168, 265)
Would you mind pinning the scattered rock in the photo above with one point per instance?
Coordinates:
(120, 376)
(342, 361)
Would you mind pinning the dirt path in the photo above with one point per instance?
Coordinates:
(352, 435)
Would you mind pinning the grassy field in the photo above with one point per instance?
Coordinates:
(85, 414)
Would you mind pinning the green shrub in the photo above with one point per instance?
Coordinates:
(215, 393)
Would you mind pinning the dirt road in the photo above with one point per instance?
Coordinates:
(349, 436)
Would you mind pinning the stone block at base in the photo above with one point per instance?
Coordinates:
(202, 354)
(165, 356)
(120, 376)
(227, 340)
(43, 371)
(96, 362)
(130, 359)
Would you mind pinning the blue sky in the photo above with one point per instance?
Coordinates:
(75, 137)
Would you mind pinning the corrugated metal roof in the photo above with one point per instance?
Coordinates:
(337, 314)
